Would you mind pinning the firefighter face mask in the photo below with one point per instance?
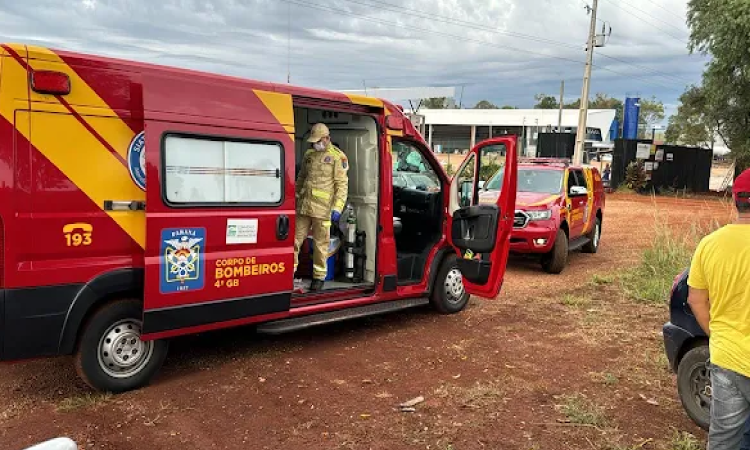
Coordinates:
(320, 145)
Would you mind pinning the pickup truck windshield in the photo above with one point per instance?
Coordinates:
(531, 180)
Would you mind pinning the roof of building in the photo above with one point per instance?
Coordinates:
(597, 118)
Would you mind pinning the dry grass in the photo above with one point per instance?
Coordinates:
(682, 440)
(576, 301)
(87, 400)
(580, 410)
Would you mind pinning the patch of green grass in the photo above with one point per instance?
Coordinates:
(576, 301)
(601, 280)
(682, 440)
(580, 410)
(669, 254)
(87, 400)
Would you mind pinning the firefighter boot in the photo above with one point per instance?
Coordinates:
(316, 285)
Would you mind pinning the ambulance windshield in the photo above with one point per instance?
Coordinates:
(530, 180)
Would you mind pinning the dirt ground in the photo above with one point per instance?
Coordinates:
(508, 373)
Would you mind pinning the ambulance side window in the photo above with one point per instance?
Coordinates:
(218, 171)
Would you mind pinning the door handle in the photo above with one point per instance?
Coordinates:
(282, 227)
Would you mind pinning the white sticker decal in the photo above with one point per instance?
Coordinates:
(242, 231)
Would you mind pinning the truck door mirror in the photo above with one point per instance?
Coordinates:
(578, 190)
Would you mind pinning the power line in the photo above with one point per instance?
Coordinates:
(681, 30)
(463, 38)
(651, 23)
(473, 25)
(664, 75)
(667, 10)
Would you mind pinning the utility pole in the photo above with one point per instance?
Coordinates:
(581, 134)
(559, 117)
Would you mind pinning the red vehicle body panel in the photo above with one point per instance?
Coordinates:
(64, 157)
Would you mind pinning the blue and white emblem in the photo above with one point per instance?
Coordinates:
(182, 259)
(137, 160)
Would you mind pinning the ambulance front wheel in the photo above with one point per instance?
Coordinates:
(448, 293)
(110, 356)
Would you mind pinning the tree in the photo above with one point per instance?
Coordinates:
(651, 113)
(435, 103)
(722, 29)
(508, 107)
(485, 104)
(604, 101)
(600, 101)
(691, 125)
(544, 101)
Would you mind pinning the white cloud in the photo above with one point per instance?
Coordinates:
(340, 44)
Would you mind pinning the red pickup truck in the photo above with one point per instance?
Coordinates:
(559, 208)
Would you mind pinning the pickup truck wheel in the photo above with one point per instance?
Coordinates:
(111, 356)
(595, 237)
(557, 258)
(448, 294)
(694, 385)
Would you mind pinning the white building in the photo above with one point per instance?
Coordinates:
(448, 130)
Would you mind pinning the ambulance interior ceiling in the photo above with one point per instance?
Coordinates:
(357, 136)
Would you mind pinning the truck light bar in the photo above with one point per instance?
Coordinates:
(563, 161)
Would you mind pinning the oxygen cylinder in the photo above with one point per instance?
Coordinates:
(351, 233)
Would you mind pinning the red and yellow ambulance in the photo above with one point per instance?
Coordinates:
(140, 202)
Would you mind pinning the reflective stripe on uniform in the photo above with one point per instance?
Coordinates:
(321, 194)
(327, 223)
(339, 206)
(320, 269)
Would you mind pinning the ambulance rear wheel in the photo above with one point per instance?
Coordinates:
(448, 293)
(111, 357)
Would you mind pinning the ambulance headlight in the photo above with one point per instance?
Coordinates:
(544, 214)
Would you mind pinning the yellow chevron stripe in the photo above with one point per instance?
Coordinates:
(280, 106)
(90, 166)
(366, 101)
(116, 132)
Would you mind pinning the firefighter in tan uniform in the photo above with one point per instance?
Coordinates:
(321, 189)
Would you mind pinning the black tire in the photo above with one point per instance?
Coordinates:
(444, 296)
(557, 258)
(116, 327)
(595, 237)
(692, 375)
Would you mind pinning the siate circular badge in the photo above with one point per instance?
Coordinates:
(137, 160)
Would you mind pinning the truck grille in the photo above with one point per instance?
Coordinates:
(520, 219)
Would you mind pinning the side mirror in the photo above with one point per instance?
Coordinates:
(578, 190)
(55, 444)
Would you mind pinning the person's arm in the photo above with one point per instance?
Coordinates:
(698, 295)
(700, 305)
(340, 183)
(301, 177)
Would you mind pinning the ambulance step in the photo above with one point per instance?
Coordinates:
(575, 244)
(300, 323)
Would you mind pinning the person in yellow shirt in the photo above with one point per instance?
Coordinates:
(719, 297)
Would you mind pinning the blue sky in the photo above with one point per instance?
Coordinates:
(505, 51)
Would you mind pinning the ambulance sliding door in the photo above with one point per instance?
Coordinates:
(219, 206)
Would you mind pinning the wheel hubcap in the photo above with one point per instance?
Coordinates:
(121, 351)
(454, 286)
(700, 387)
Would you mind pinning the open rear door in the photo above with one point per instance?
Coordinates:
(481, 231)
